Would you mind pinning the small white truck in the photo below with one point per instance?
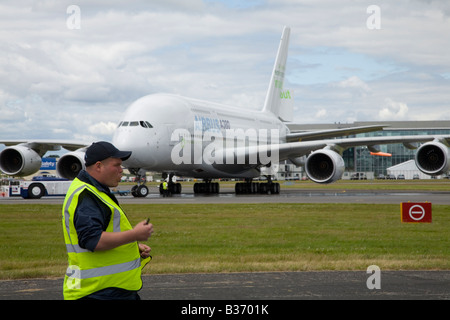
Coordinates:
(36, 188)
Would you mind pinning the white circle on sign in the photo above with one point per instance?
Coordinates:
(416, 212)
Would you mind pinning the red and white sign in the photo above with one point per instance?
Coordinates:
(416, 212)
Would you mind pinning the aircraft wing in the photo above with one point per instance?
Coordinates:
(298, 149)
(323, 158)
(46, 145)
(24, 157)
(323, 134)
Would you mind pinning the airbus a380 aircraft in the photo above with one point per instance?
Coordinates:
(193, 138)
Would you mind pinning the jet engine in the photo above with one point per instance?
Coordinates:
(325, 166)
(70, 164)
(432, 158)
(19, 161)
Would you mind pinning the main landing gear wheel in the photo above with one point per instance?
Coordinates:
(250, 187)
(254, 188)
(207, 187)
(174, 188)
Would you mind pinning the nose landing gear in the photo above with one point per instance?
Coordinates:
(140, 190)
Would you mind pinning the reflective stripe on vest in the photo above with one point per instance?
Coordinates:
(102, 271)
(88, 271)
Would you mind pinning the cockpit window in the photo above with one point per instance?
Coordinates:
(145, 124)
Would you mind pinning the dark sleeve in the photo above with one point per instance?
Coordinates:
(90, 220)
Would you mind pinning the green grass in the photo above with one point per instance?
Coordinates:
(241, 237)
(367, 185)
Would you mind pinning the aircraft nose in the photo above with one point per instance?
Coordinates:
(122, 141)
(136, 142)
(119, 141)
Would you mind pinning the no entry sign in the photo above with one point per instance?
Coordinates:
(416, 212)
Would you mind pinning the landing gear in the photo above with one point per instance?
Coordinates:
(140, 190)
(250, 187)
(207, 187)
(172, 187)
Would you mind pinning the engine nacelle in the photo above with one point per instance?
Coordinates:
(70, 164)
(325, 166)
(432, 158)
(19, 161)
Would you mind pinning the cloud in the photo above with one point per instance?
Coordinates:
(393, 111)
(102, 128)
(354, 83)
(321, 114)
(69, 84)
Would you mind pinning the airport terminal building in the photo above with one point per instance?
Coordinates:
(359, 159)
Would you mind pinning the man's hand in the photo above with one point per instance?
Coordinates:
(144, 250)
(109, 240)
(143, 231)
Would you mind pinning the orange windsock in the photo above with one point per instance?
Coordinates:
(381, 154)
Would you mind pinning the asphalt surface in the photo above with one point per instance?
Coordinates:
(227, 195)
(267, 286)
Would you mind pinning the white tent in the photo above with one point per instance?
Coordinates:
(409, 169)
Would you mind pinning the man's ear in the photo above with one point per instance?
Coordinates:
(94, 168)
(98, 166)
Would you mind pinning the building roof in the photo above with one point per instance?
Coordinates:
(392, 125)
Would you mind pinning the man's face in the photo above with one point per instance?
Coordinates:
(110, 172)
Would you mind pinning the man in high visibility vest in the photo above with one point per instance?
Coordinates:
(165, 189)
(105, 259)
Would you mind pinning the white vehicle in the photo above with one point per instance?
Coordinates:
(186, 137)
(9, 188)
(40, 187)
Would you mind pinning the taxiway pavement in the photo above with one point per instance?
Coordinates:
(305, 285)
(285, 196)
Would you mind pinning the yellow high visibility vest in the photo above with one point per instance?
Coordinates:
(88, 271)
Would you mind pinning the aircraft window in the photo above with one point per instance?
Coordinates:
(125, 124)
(119, 124)
(134, 124)
(145, 124)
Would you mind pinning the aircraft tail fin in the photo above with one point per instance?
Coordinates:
(275, 95)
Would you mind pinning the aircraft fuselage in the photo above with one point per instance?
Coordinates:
(192, 133)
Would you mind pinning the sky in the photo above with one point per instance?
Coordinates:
(69, 72)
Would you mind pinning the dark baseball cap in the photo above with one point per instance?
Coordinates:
(102, 150)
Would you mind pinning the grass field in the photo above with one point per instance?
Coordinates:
(399, 185)
(241, 237)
